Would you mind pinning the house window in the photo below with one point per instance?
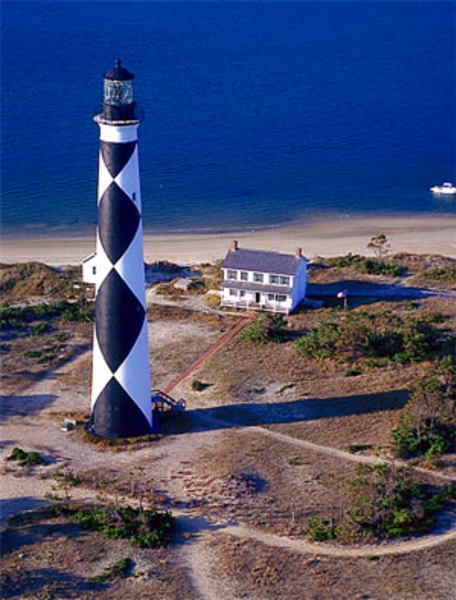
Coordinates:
(242, 293)
(281, 298)
(274, 279)
(232, 274)
(285, 280)
(233, 292)
(244, 276)
(271, 297)
(258, 277)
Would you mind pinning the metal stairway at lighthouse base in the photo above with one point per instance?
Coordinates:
(163, 402)
(164, 407)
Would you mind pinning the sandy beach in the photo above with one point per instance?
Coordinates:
(420, 235)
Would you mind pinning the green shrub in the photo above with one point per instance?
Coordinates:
(428, 423)
(144, 528)
(383, 502)
(32, 354)
(442, 274)
(198, 386)
(354, 448)
(45, 310)
(121, 568)
(366, 266)
(265, 328)
(372, 336)
(41, 328)
(320, 530)
(25, 459)
(80, 311)
(13, 318)
(353, 372)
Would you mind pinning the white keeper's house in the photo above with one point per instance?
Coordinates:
(257, 279)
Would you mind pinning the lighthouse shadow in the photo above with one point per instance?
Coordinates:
(308, 409)
(24, 406)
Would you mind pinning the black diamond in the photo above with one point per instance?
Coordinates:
(118, 220)
(116, 415)
(116, 156)
(119, 317)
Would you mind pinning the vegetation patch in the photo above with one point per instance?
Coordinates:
(199, 386)
(80, 310)
(366, 266)
(122, 569)
(373, 335)
(428, 424)
(440, 274)
(25, 459)
(144, 528)
(383, 502)
(21, 280)
(264, 329)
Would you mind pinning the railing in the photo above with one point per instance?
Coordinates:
(255, 306)
(163, 402)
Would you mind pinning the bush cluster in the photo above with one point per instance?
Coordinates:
(265, 328)
(25, 459)
(442, 274)
(428, 424)
(15, 317)
(366, 266)
(372, 336)
(145, 528)
(384, 502)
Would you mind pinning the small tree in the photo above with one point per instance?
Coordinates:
(380, 245)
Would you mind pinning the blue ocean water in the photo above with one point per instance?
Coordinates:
(256, 113)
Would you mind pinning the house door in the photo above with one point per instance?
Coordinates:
(257, 297)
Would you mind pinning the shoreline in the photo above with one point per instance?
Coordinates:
(417, 235)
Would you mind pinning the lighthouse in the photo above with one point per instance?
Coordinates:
(121, 396)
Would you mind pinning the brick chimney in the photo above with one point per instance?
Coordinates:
(298, 252)
(234, 245)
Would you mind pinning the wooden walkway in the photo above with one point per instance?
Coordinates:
(209, 352)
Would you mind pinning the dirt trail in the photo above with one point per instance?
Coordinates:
(328, 450)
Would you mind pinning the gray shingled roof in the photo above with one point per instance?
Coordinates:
(262, 261)
(250, 286)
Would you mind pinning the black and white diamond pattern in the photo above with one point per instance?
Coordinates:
(121, 379)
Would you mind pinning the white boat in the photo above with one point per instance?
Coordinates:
(446, 188)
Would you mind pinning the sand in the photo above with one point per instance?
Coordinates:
(419, 235)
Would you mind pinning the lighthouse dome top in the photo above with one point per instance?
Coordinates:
(118, 73)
